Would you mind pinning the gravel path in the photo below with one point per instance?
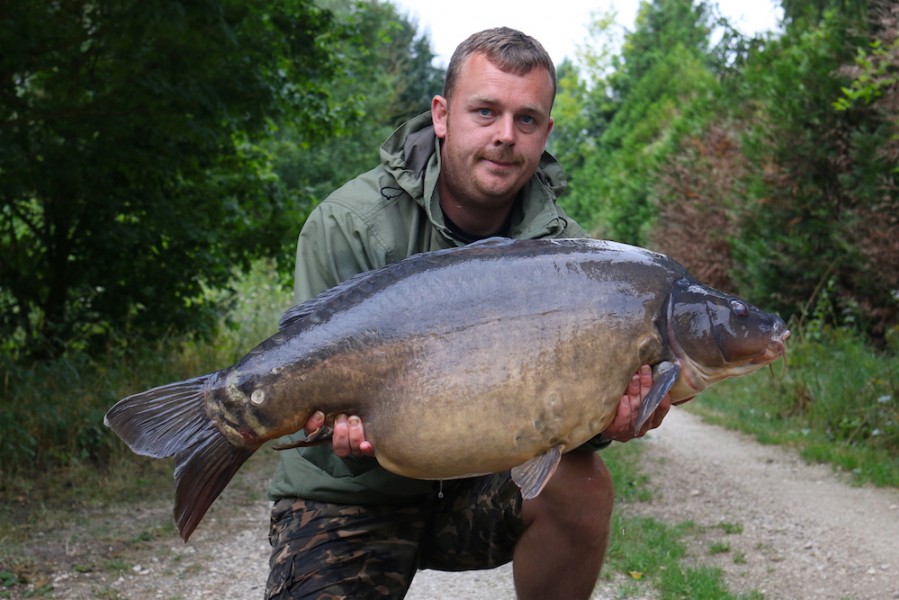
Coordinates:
(780, 527)
(805, 532)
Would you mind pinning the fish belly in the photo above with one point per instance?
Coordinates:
(487, 401)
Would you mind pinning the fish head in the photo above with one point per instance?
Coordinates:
(716, 336)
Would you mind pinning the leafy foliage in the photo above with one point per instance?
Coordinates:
(699, 192)
(634, 111)
(791, 230)
(813, 11)
(205, 170)
(767, 166)
(873, 183)
(388, 77)
(130, 179)
(823, 194)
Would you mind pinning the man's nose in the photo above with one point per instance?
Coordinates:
(505, 130)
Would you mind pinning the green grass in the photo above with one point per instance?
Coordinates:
(650, 553)
(719, 548)
(731, 528)
(837, 402)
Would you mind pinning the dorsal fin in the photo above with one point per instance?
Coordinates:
(299, 312)
(366, 281)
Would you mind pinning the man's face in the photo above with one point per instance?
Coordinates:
(493, 133)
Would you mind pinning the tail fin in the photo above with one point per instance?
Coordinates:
(171, 420)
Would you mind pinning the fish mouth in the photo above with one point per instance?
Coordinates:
(698, 377)
(777, 348)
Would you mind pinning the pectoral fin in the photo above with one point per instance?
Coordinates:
(664, 375)
(533, 475)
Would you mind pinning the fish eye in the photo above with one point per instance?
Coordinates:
(257, 397)
(740, 309)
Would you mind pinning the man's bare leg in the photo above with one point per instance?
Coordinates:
(561, 552)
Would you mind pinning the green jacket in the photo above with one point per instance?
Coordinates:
(382, 217)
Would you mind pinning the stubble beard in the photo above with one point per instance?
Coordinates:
(469, 189)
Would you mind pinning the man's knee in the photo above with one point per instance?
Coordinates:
(579, 495)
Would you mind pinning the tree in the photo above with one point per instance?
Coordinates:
(129, 176)
(824, 199)
(814, 11)
(584, 104)
(787, 193)
(872, 102)
(638, 108)
(388, 78)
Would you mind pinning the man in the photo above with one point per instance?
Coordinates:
(475, 167)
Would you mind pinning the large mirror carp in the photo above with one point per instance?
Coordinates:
(495, 356)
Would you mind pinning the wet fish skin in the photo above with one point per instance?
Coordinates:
(499, 355)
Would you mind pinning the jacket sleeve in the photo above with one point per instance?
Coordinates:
(333, 246)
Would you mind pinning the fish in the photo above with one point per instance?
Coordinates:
(500, 355)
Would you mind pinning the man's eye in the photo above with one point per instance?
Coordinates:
(528, 120)
(485, 112)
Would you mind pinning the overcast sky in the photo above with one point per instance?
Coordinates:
(558, 24)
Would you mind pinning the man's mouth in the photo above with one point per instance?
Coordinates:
(503, 162)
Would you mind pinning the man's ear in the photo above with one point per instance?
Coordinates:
(439, 111)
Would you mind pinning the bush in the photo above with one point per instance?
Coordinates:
(52, 413)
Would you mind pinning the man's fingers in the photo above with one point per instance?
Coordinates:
(635, 395)
(356, 434)
(622, 427)
(645, 374)
(348, 438)
(314, 422)
(340, 439)
(633, 386)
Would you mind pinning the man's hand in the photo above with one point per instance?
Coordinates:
(622, 428)
(348, 438)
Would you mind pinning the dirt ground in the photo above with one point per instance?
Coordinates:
(772, 523)
(806, 534)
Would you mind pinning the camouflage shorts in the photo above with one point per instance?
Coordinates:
(322, 550)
